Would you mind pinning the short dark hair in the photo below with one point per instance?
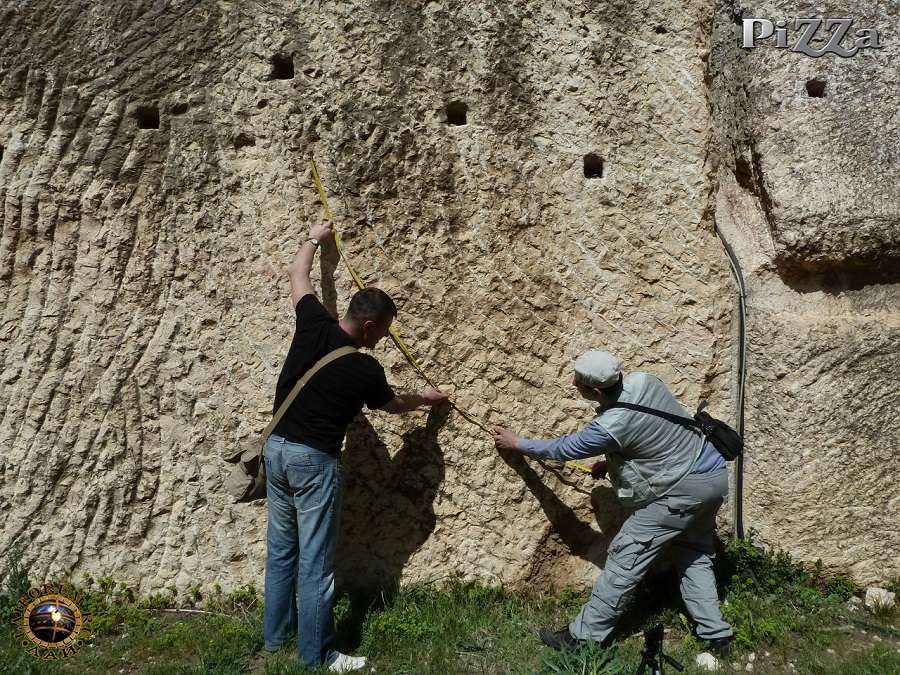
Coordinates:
(371, 304)
(614, 391)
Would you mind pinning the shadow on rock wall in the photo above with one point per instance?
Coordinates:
(388, 510)
(567, 531)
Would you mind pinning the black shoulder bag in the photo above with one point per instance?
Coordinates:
(726, 440)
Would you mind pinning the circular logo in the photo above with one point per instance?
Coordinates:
(49, 623)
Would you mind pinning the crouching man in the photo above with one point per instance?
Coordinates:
(670, 475)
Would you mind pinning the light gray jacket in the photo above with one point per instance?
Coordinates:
(654, 454)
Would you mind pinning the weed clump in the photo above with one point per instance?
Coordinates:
(591, 659)
(112, 605)
(770, 595)
(15, 580)
(840, 588)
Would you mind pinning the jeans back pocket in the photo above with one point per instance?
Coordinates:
(308, 483)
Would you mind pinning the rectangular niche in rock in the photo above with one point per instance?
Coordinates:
(282, 67)
(593, 166)
(147, 117)
(816, 88)
(457, 112)
(244, 140)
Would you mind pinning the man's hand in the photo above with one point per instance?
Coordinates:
(432, 396)
(321, 232)
(403, 403)
(505, 439)
(598, 470)
(298, 270)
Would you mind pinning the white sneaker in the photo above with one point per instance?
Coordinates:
(346, 664)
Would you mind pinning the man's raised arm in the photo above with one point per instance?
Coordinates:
(299, 267)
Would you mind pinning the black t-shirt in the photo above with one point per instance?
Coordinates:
(319, 415)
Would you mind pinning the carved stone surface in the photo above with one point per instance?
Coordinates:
(154, 183)
(816, 140)
(808, 196)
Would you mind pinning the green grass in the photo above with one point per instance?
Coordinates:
(789, 619)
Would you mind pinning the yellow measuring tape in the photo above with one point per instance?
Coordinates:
(395, 335)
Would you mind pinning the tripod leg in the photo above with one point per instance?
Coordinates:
(672, 662)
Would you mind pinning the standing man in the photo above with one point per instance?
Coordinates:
(673, 478)
(303, 457)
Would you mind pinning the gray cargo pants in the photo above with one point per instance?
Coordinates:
(686, 518)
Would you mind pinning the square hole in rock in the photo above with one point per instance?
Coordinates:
(282, 67)
(816, 88)
(147, 117)
(593, 166)
(457, 112)
(243, 140)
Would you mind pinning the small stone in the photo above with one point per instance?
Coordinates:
(751, 657)
(707, 661)
(879, 597)
(748, 667)
(830, 651)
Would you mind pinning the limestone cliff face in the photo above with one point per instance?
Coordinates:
(528, 181)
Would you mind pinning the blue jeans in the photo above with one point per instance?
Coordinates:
(304, 494)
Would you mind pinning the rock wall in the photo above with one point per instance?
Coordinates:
(528, 181)
(809, 197)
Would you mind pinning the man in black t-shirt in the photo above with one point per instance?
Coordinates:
(302, 457)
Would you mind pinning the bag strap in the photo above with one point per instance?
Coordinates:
(317, 366)
(677, 419)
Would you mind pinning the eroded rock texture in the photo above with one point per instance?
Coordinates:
(155, 183)
(808, 195)
(527, 180)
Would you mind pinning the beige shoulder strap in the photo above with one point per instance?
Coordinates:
(317, 366)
